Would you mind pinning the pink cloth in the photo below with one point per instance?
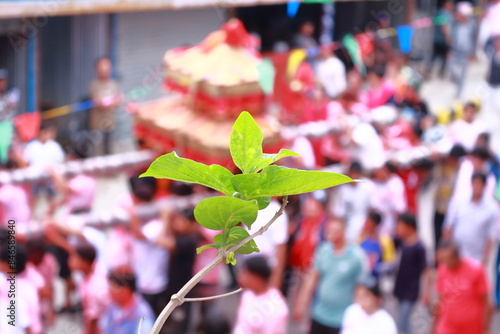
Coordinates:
(379, 96)
(34, 276)
(94, 294)
(207, 256)
(119, 247)
(462, 292)
(14, 204)
(262, 314)
(82, 189)
(48, 268)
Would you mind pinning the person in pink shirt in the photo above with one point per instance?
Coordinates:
(262, 309)
(463, 305)
(381, 90)
(93, 290)
(14, 204)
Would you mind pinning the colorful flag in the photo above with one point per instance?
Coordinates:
(405, 35)
(292, 8)
(6, 131)
(266, 75)
(352, 47)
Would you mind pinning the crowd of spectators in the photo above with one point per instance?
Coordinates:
(321, 262)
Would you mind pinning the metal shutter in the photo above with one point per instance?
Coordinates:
(143, 39)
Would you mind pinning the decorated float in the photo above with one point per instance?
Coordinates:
(212, 83)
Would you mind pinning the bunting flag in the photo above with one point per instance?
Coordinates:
(292, 8)
(28, 125)
(405, 35)
(354, 51)
(266, 76)
(296, 57)
(6, 131)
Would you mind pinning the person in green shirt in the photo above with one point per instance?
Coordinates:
(330, 283)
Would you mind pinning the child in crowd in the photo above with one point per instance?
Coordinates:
(378, 247)
(366, 315)
(127, 307)
(262, 308)
(151, 275)
(412, 267)
(93, 290)
(25, 316)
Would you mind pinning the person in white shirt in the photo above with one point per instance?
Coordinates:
(465, 131)
(331, 73)
(272, 244)
(351, 202)
(477, 161)
(473, 222)
(41, 154)
(390, 198)
(366, 315)
(152, 275)
(367, 146)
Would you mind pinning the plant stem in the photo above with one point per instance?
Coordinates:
(179, 298)
(203, 299)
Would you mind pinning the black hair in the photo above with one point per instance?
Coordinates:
(457, 151)
(259, 266)
(379, 71)
(391, 167)
(36, 245)
(215, 323)
(375, 217)
(15, 255)
(480, 176)
(371, 284)
(123, 276)
(408, 219)
(144, 188)
(481, 153)
(472, 105)
(356, 167)
(449, 244)
(45, 125)
(188, 213)
(181, 188)
(486, 137)
(86, 252)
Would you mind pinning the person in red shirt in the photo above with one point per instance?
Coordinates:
(463, 305)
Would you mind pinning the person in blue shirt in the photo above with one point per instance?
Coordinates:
(370, 243)
(124, 314)
(337, 266)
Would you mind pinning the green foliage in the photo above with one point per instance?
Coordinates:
(246, 193)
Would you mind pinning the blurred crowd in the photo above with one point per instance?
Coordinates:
(320, 263)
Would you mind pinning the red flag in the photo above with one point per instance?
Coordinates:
(28, 125)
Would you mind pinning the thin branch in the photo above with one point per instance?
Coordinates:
(203, 299)
(140, 325)
(179, 298)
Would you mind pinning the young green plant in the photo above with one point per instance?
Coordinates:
(245, 194)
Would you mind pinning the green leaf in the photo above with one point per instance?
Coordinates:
(272, 158)
(205, 247)
(220, 213)
(263, 202)
(236, 235)
(171, 166)
(246, 143)
(280, 181)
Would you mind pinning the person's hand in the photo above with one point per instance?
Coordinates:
(298, 313)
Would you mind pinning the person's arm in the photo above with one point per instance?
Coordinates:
(135, 225)
(486, 253)
(92, 327)
(305, 294)
(488, 311)
(426, 287)
(62, 188)
(277, 274)
(166, 239)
